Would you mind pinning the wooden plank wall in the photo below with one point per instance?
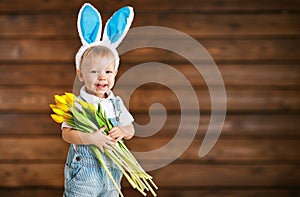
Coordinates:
(256, 47)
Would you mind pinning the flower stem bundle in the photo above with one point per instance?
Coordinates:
(84, 117)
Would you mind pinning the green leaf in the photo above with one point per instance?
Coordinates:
(100, 121)
(108, 123)
(81, 119)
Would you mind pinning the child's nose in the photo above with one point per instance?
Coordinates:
(101, 75)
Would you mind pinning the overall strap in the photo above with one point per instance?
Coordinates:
(116, 103)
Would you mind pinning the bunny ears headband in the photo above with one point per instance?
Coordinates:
(89, 26)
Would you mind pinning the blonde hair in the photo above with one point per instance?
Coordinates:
(96, 52)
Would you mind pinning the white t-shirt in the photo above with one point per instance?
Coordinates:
(125, 118)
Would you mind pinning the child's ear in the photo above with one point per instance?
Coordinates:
(79, 74)
(116, 72)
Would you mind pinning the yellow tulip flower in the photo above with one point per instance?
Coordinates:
(58, 111)
(68, 116)
(92, 107)
(84, 104)
(52, 106)
(71, 98)
(60, 99)
(57, 118)
(63, 107)
(64, 97)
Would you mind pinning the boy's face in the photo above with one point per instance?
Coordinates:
(98, 76)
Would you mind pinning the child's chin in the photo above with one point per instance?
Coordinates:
(101, 90)
(101, 94)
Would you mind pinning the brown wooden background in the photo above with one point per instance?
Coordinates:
(256, 47)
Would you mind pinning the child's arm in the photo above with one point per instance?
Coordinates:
(80, 138)
(121, 132)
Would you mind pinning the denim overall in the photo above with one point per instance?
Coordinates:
(84, 176)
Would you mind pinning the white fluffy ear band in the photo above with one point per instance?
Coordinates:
(89, 26)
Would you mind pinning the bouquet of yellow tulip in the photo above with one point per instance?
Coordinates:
(84, 116)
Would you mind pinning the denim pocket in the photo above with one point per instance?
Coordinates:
(73, 172)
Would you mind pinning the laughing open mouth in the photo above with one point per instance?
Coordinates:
(100, 86)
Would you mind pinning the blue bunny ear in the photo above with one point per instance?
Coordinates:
(89, 24)
(117, 26)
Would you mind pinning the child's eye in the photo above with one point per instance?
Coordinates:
(94, 72)
(109, 71)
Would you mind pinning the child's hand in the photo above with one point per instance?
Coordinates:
(102, 140)
(117, 133)
(99, 139)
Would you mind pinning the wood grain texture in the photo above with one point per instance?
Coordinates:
(279, 75)
(268, 126)
(199, 25)
(178, 192)
(265, 175)
(226, 150)
(151, 6)
(38, 98)
(255, 45)
(29, 50)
